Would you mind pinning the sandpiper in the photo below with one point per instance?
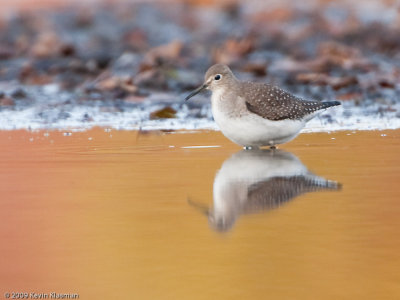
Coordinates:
(258, 180)
(255, 114)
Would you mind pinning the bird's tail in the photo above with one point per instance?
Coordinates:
(322, 183)
(327, 104)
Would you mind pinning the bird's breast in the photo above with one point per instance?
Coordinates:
(226, 106)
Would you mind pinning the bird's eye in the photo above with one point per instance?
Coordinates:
(217, 77)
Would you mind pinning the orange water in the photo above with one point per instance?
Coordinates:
(106, 215)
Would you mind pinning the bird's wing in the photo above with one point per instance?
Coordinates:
(275, 104)
(272, 193)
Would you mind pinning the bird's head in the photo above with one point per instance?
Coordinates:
(217, 76)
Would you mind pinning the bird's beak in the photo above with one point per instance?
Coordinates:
(200, 207)
(196, 91)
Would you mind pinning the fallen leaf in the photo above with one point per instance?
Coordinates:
(5, 101)
(258, 69)
(322, 79)
(135, 99)
(164, 113)
(350, 96)
(278, 14)
(153, 78)
(108, 84)
(233, 50)
(170, 51)
(6, 52)
(136, 39)
(115, 82)
(47, 44)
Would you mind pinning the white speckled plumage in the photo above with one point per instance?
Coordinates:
(255, 114)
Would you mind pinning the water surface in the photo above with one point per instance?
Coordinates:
(121, 215)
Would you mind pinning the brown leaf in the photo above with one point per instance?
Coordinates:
(135, 99)
(47, 44)
(115, 82)
(338, 83)
(153, 78)
(165, 52)
(312, 78)
(279, 14)
(323, 79)
(164, 113)
(38, 79)
(136, 39)
(6, 52)
(67, 49)
(233, 50)
(338, 51)
(258, 69)
(5, 101)
(108, 83)
(346, 57)
(387, 83)
(129, 87)
(350, 96)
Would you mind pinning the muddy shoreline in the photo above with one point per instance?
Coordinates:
(121, 64)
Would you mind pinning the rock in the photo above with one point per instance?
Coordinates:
(87, 118)
(62, 115)
(182, 79)
(67, 50)
(128, 64)
(19, 93)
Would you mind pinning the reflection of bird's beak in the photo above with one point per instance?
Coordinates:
(201, 207)
(196, 91)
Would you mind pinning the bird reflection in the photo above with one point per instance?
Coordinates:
(258, 180)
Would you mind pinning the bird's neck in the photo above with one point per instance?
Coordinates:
(225, 101)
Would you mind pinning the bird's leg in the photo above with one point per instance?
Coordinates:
(250, 147)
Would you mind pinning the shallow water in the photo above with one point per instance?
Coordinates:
(121, 215)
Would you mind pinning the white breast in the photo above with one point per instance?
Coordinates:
(249, 129)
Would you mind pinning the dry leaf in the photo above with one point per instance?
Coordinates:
(164, 113)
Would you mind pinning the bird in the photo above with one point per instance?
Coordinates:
(256, 181)
(253, 114)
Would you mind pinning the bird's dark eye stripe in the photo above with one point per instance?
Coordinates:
(217, 77)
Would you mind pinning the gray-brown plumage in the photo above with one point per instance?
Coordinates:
(273, 103)
(273, 193)
(256, 114)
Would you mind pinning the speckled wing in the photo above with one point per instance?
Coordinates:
(269, 194)
(275, 104)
